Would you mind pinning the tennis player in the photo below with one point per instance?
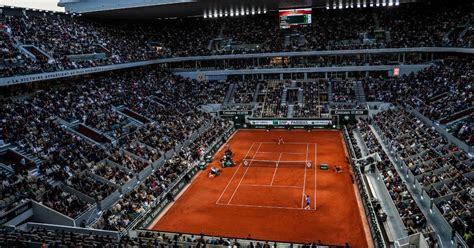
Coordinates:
(280, 140)
(308, 203)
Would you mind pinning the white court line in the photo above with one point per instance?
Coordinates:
(276, 168)
(296, 153)
(276, 186)
(259, 206)
(235, 191)
(288, 143)
(304, 182)
(240, 165)
(281, 161)
(315, 169)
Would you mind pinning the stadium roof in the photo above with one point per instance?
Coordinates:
(151, 9)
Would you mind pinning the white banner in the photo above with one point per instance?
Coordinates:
(294, 122)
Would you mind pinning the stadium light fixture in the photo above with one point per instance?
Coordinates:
(264, 10)
(364, 4)
(390, 2)
(384, 2)
(221, 14)
(259, 11)
(377, 3)
(215, 13)
(397, 2)
(371, 3)
(205, 15)
(358, 3)
(226, 13)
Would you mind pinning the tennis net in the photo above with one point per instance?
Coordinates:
(275, 163)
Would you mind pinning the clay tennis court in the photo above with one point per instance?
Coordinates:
(262, 197)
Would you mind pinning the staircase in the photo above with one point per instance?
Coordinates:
(6, 169)
(284, 96)
(255, 96)
(291, 109)
(37, 53)
(287, 41)
(221, 31)
(360, 93)
(229, 97)
(464, 31)
(300, 97)
(330, 92)
(28, 155)
(376, 20)
(35, 171)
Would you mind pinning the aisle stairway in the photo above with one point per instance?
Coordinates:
(360, 93)
(229, 97)
(289, 114)
(329, 92)
(284, 96)
(300, 97)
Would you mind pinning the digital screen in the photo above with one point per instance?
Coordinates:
(396, 71)
(294, 17)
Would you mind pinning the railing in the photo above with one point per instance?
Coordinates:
(208, 239)
(80, 230)
(423, 199)
(83, 57)
(145, 173)
(451, 139)
(369, 211)
(161, 202)
(69, 73)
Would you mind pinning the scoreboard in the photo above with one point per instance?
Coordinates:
(294, 17)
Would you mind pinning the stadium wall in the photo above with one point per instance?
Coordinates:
(84, 6)
(22, 79)
(222, 74)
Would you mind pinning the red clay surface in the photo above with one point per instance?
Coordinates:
(266, 201)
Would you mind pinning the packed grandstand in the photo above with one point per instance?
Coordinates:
(91, 159)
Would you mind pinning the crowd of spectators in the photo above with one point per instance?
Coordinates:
(8, 52)
(343, 91)
(37, 125)
(64, 202)
(95, 189)
(463, 129)
(315, 99)
(61, 36)
(270, 100)
(441, 92)
(410, 213)
(244, 91)
(152, 190)
(441, 168)
(37, 236)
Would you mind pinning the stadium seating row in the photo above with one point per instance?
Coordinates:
(58, 42)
